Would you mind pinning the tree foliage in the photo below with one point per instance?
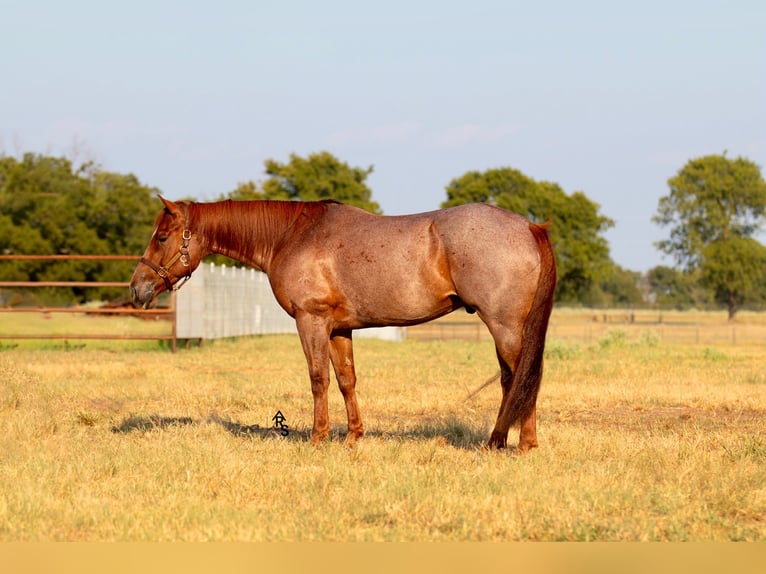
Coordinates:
(49, 207)
(734, 270)
(672, 288)
(582, 253)
(715, 207)
(317, 177)
(621, 288)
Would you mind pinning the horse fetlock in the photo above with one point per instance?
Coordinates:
(526, 442)
(497, 440)
(319, 437)
(352, 437)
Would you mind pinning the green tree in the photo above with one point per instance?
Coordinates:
(714, 204)
(735, 270)
(582, 253)
(121, 211)
(319, 176)
(619, 289)
(671, 288)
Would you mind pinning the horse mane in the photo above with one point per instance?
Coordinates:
(244, 228)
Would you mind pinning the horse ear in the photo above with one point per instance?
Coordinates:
(170, 207)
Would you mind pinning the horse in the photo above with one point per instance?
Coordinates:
(336, 268)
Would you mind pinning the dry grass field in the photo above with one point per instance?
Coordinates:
(589, 326)
(641, 439)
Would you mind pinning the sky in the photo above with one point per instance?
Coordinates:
(609, 98)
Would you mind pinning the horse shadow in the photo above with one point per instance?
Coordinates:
(450, 432)
(147, 423)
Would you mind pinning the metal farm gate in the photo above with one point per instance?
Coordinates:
(20, 311)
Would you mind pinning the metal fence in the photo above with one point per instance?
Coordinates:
(602, 327)
(221, 302)
(169, 312)
(217, 302)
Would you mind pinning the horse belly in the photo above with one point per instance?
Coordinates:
(397, 299)
(396, 277)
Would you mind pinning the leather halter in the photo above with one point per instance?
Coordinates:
(164, 270)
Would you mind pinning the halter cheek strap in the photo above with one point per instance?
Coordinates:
(164, 270)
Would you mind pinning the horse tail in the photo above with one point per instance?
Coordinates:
(528, 370)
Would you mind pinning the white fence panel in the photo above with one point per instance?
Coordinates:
(220, 301)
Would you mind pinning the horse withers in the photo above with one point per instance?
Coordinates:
(336, 268)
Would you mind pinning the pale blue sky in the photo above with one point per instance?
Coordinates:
(609, 98)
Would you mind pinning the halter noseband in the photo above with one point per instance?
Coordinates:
(164, 270)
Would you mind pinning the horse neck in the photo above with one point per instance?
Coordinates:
(247, 231)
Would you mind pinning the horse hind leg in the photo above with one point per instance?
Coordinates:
(508, 347)
(521, 349)
(527, 423)
(342, 359)
(506, 356)
(528, 431)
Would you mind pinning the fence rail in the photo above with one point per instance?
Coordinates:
(646, 327)
(64, 284)
(170, 311)
(217, 302)
(70, 257)
(230, 302)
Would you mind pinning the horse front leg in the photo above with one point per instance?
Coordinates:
(342, 358)
(315, 337)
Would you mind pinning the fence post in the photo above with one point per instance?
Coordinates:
(173, 315)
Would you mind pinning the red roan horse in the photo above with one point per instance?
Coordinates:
(336, 268)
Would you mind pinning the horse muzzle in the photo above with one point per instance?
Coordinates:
(142, 295)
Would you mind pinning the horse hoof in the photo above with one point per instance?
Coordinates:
(524, 447)
(319, 439)
(496, 442)
(352, 438)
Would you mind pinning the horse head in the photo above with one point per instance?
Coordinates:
(170, 258)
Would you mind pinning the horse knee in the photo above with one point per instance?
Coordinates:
(347, 385)
(319, 384)
(346, 377)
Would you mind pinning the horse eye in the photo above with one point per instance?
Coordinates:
(162, 238)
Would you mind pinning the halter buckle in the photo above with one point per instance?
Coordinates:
(164, 270)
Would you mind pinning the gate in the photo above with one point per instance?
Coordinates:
(169, 312)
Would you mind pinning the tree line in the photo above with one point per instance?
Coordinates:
(713, 211)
